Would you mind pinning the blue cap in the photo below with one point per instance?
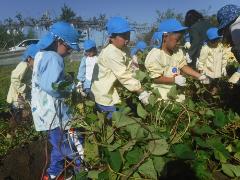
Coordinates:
(156, 39)
(187, 37)
(133, 51)
(171, 25)
(212, 33)
(88, 44)
(62, 30)
(227, 14)
(31, 51)
(141, 45)
(117, 25)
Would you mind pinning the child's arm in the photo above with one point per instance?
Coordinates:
(116, 64)
(164, 80)
(82, 70)
(189, 71)
(16, 77)
(202, 59)
(51, 71)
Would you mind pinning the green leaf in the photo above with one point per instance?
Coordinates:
(136, 131)
(220, 119)
(91, 153)
(216, 144)
(82, 175)
(92, 116)
(156, 93)
(140, 75)
(110, 135)
(121, 120)
(158, 147)
(134, 156)
(148, 170)
(219, 156)
(152, 99)
(210, 113)
(183, 151)
(116, 145)
(201, 170)
(93, 174)
(201, 142)
(205, 129)
(90, 103)
(141, 111)
(172, 94)
(228, 169)
(159, 163)
(128, 146)
(114, 159)
(190, 104)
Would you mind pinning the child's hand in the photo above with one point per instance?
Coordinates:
(180, 80)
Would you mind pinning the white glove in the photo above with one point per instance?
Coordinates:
(20, 101)
(187, 45)
(189, 60)
(234, 78)
(79, 84)
(180, 80)
(224, 72)
(80, 89)
(204, 79)
(143, 97)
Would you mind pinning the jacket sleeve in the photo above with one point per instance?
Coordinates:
(82, 70)
(51, 71)
(17, 76)
(117, 65)
(202, 59)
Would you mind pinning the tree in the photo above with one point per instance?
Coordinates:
(31, 34)
(67, 14)
(170, 13)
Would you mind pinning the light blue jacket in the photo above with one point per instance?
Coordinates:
(82, 74)
(48, 108)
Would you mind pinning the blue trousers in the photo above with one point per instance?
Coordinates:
(108, 109)
(60, 150)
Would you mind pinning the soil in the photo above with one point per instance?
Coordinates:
(24, 163)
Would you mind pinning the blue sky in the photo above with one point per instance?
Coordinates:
(136, 10)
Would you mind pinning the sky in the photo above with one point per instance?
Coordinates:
(142, 11)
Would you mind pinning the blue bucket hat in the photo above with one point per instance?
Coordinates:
(156, 39)
(226, 15)
(133, 51)
(63, 31)
(31, 51)
(212, 33)
(141, 45)
(171, 25)
(168, 26)
(88, 44)
(117, 25)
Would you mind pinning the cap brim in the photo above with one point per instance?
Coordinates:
(219, 37)
(183, 28)
(45, 41)
(74, 47)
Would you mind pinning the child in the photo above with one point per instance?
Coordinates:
(229, 26)
(112, 67)
(135, 53)
(155, 40)
(165, 63)
(49, 111)
(19, 90)
(88, 62)
(212, 60)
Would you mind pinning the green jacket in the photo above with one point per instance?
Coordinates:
(198, 36)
